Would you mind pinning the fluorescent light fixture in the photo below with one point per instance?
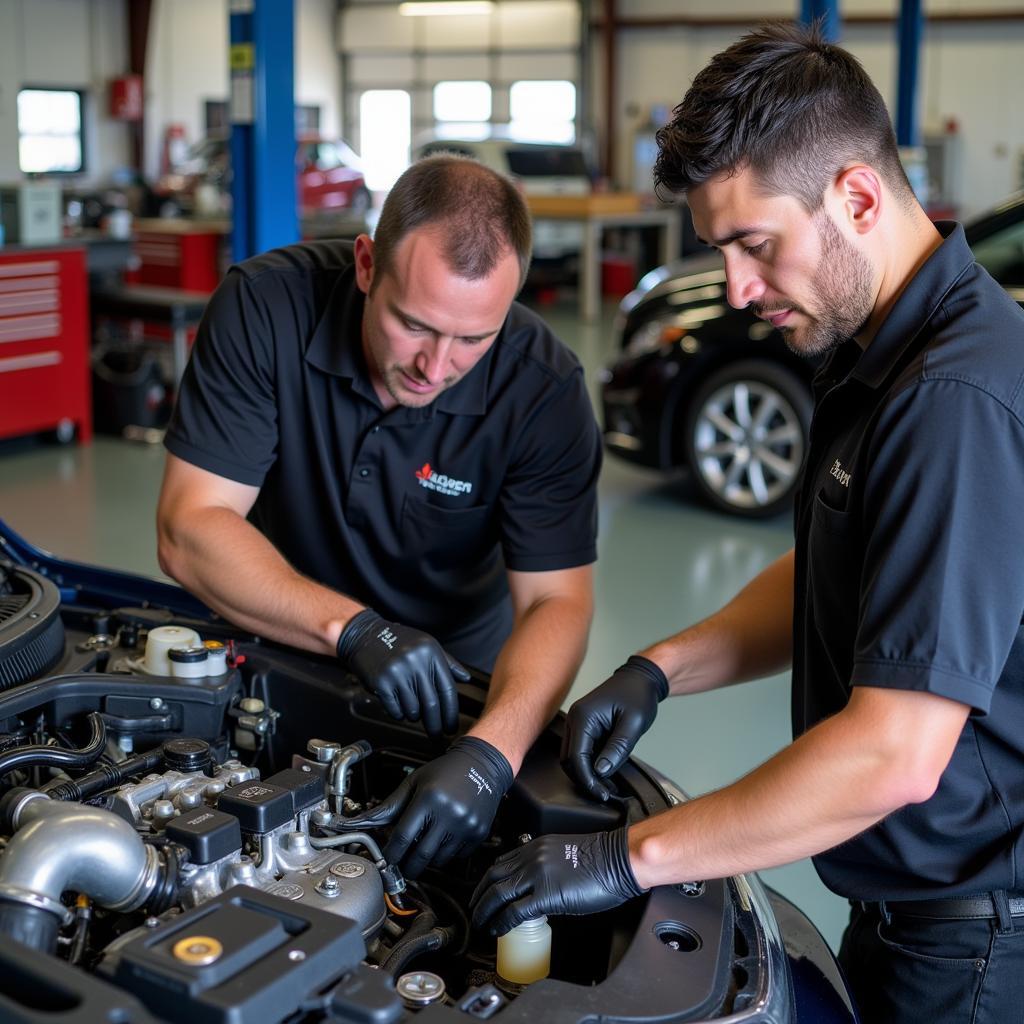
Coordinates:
(422, 8)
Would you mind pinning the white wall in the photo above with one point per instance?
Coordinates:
(83, 44)
(79, 44)
(187, 64)
(972, 72)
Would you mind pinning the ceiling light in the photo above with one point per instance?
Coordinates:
(422, 8)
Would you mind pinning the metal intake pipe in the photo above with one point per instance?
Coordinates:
(60, 847)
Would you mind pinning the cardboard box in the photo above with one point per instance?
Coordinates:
(31, 213)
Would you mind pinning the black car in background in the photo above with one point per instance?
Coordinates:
(715, 389)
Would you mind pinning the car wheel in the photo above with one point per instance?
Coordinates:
(746, 436)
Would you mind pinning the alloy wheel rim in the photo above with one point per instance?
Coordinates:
(749, 444)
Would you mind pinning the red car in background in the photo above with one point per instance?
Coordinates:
(329, 178)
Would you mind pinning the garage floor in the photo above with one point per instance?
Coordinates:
(665, 561)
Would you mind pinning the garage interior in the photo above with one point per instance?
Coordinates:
(154, 77)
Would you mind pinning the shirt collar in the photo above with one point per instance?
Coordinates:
(916, 306)
(336, 348)
(469, 396)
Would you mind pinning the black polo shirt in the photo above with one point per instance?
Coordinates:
(910, 568)
(415, 512)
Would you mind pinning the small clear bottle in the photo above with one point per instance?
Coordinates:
(524, 953)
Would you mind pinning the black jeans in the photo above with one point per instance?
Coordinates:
(912, 970)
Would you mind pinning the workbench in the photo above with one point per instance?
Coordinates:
(599, 211)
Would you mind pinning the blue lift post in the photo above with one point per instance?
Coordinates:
(827, 11)
(262, 108)
(908, 129)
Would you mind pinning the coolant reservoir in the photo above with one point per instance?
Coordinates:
(160, 640)
(524, 953)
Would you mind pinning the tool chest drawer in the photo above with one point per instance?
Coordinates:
(44, 343)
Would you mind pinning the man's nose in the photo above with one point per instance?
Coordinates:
(432, 360)
(743, 284)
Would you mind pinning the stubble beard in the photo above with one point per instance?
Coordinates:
(842, 288)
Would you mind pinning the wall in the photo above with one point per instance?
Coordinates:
(971, 71)
(187, 64)
(79, 44)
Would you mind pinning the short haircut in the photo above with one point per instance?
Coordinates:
(790, 106)
(480, 212)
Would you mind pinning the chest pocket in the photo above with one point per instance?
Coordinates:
(441, 536)
(835, 562)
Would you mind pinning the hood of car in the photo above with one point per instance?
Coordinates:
(684, 298)
(680, 275)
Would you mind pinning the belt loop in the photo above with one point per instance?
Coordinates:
(884, 911)
(1002, 905)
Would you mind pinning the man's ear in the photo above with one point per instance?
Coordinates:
(858, 197)
(364, 263)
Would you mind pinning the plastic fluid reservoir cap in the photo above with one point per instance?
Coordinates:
(160, 640)
(524, 953)
(217, 662)
(188, 662)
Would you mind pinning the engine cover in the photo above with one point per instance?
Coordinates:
(240, 958)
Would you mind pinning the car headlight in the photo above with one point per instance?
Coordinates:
(652, 336)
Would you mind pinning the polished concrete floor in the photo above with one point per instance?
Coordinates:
(665, 561)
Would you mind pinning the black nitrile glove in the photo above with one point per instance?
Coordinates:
(406, 669)
(446, 806)
(610, 719)
(555, 875)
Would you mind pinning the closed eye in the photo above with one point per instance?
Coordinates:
(754, 250)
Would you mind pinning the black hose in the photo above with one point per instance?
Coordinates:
(423, 924)
(407, 950)
(105, 777)
(43, 756)
(428, 893)
(165, 892)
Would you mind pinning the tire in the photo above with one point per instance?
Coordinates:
(745, 437)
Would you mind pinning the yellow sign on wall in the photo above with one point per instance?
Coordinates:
(241, 57)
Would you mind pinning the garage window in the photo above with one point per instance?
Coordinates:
(385, 118)
(50, 131)
(543, 111)
(463, 107)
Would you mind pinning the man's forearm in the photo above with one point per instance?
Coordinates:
(751, 637)
(227, 563)
(885, 750)
(533, 673)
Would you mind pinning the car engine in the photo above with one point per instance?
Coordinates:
(173, 796)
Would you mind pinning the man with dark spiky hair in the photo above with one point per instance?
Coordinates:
(376, 453)
(899, 607)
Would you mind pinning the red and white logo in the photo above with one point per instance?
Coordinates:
(434, 481)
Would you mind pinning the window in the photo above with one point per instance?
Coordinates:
(385, 121)
(50, 131)
(462, 101)
(543, 111)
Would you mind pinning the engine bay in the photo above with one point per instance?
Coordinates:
(173, 796)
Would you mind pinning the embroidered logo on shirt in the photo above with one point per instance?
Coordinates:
(442, 484)
(840, 474)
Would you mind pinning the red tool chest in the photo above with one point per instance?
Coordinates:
(179, 254)
(44, 342)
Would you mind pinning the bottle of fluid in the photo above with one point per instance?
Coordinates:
(524, 953)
